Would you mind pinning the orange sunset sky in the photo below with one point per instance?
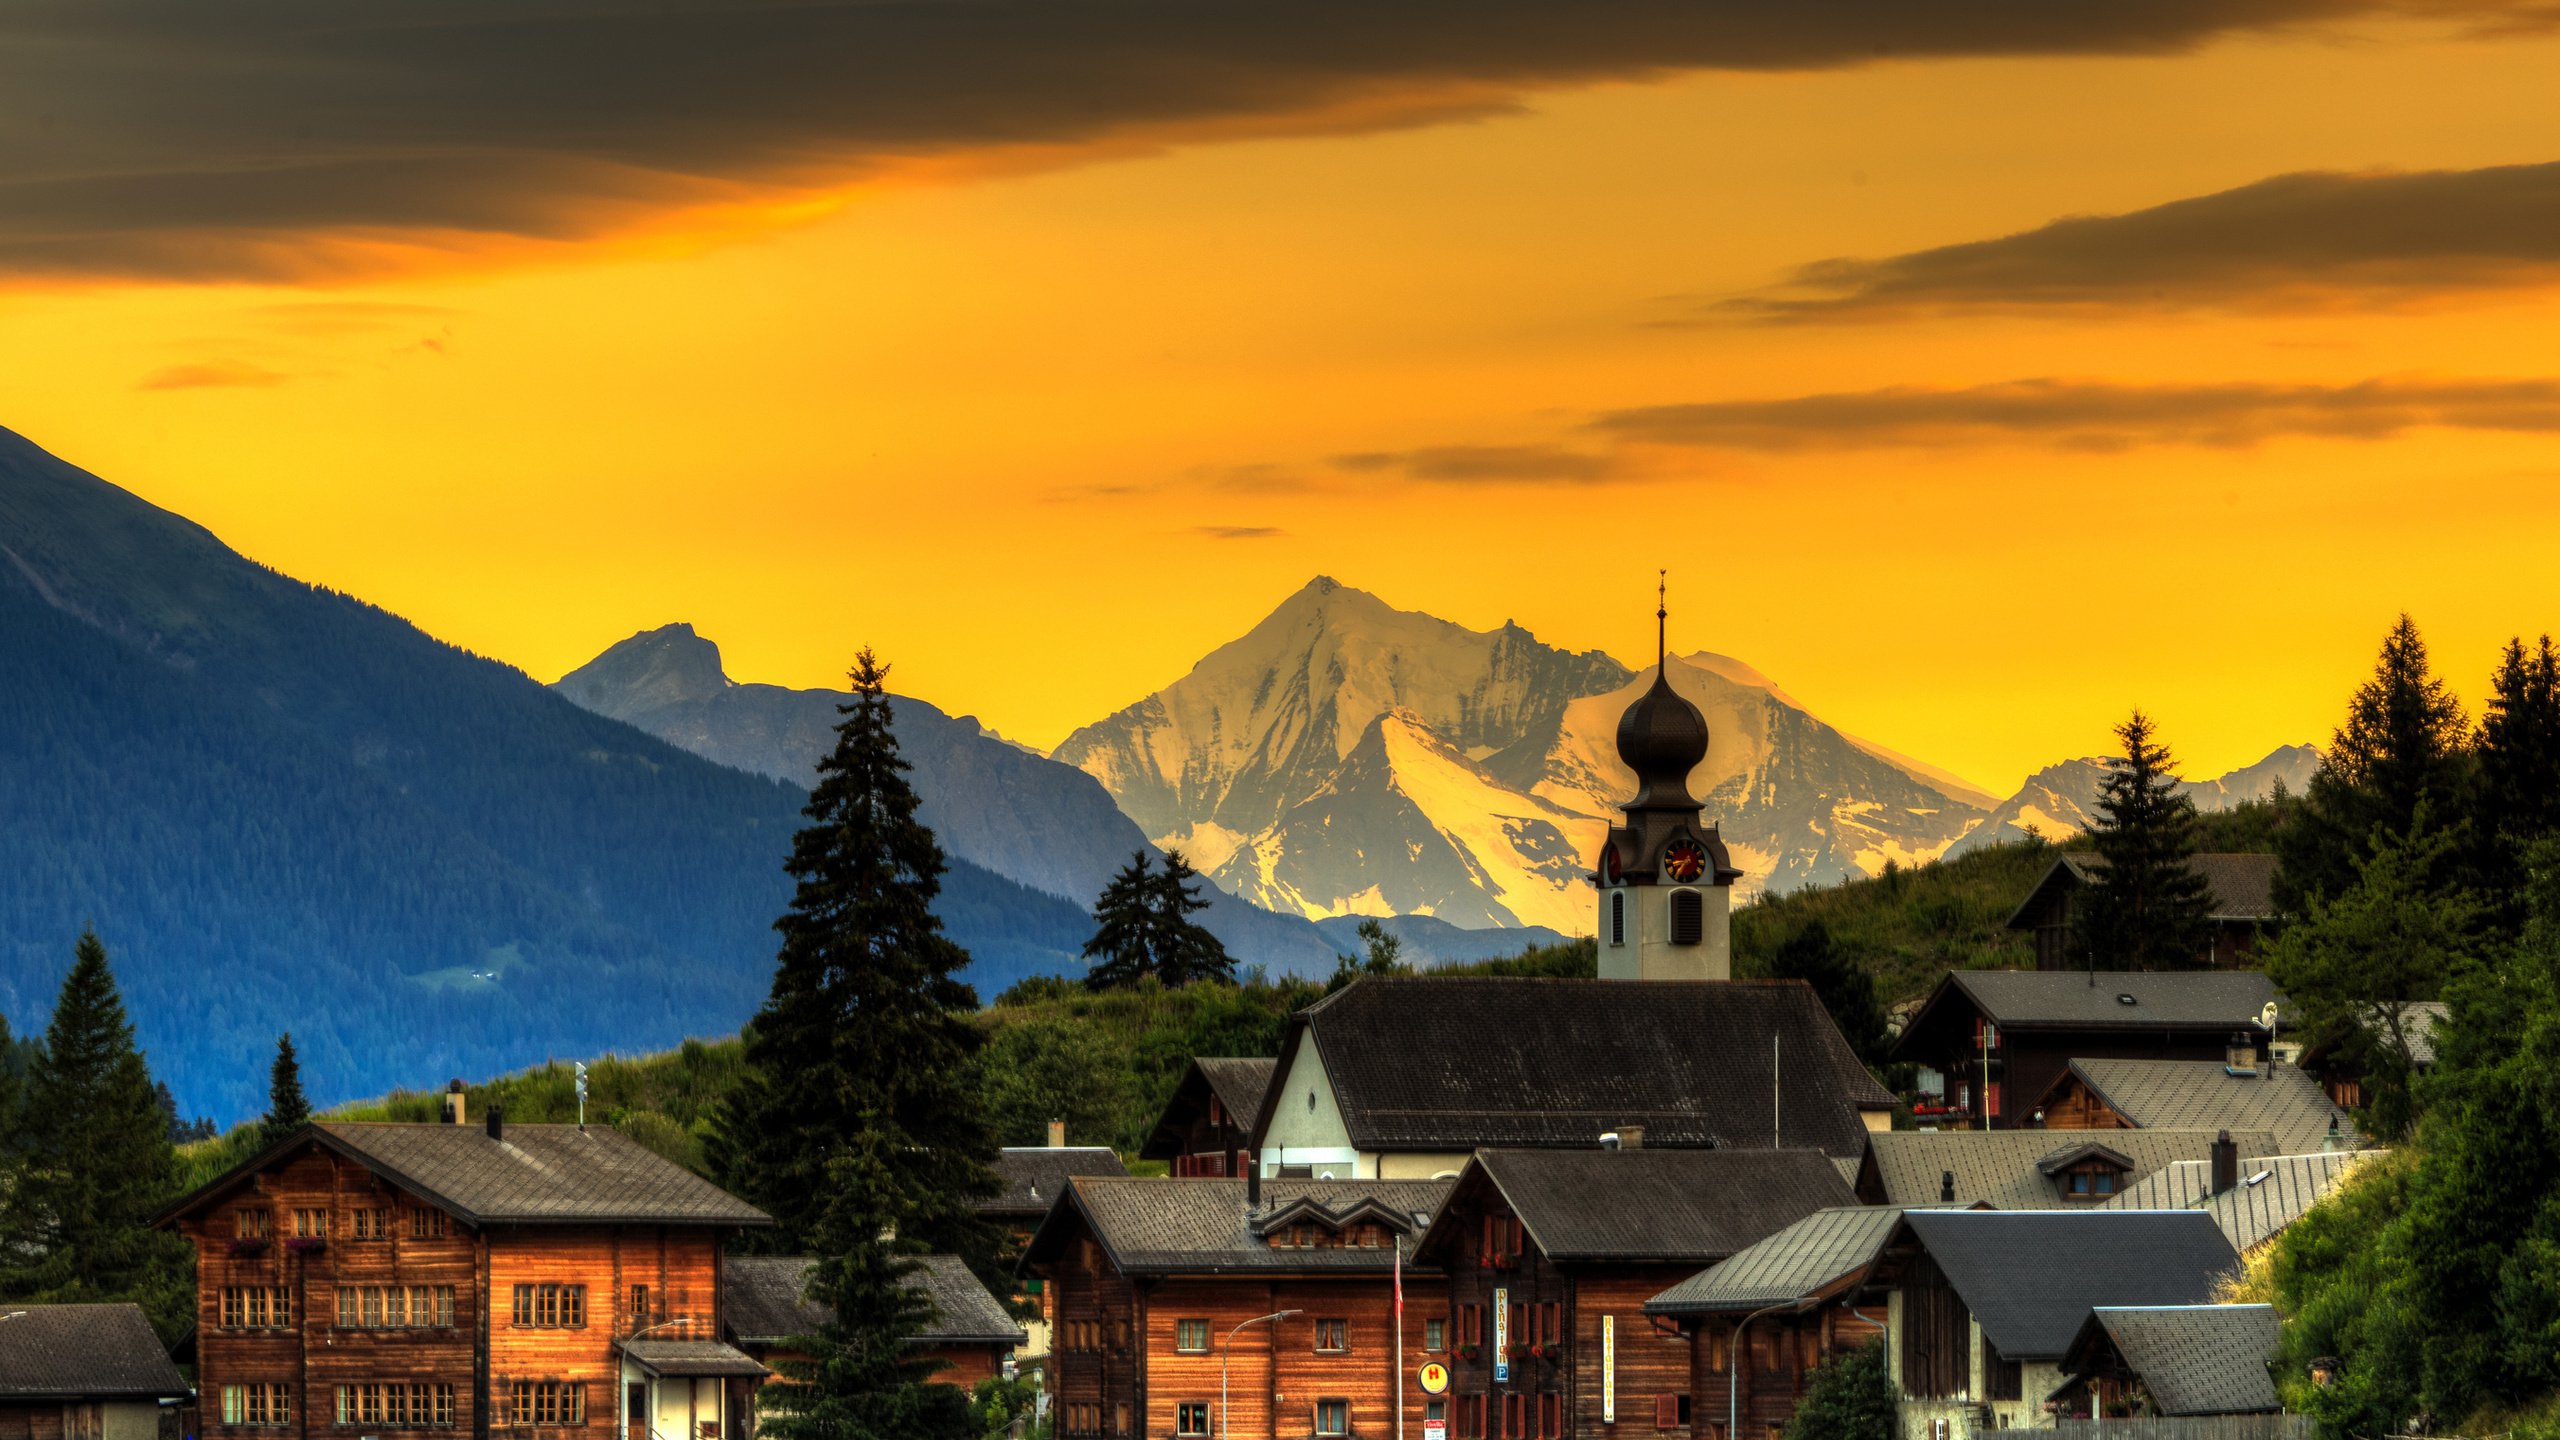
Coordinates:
(1978, 371)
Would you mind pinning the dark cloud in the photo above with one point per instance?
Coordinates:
(304, 137)
(2091, 416)
(1488, 464)
(213, 374)
(2293, 242)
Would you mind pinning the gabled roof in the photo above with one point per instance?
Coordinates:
(2001, 1168)
(1629, 1206)
(84, 1352)
(1235, 1082)
(1820, 1255)
(1035, 1176)
(2030, 1277)
(1447, 1063)
(2193, 1359)
(2274, 1191)
(535, 1175)
(764, 1301)
(2240, 884)
(1205, 1227)
(2082, 1000)
(2072, 1154)
(2204, 1095)
(692, 1359)
(1333, 1213)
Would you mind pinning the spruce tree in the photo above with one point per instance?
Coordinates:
(95, 1163)
(1845, 988)
(866, 1041)
(2147, 909)
(287, 1110)
(2401, 749)
(2519, 747)
(1122, 948)
(1185, 951)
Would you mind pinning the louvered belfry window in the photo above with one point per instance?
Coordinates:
(1688, 917)
(1618, 918)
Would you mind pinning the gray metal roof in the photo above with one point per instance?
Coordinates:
(534, 1175)
(2274, 1191)
(2204, 1095)
(2031, 1276)
(2193, 1359)
(2160, 999)
(691, 1357)
(1035, 1176)
(1203, 1227)
(2001, 1168)
(2239, 885)
(1678, 1206)
(1806, 1260)
(764, 1299)
(83, 1352)
(1438, 1063)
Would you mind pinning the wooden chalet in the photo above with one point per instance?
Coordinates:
(1207, 1127)
(2243, 908)
(1982, 1305)
(766, 1309)
(2170, 1360)
(1757, 1322)
(1987, 1038)
(1552, 1256)
(2242, 1092)
(1406, 1077)
(83, 1372)
(2028, 1169)
(1165, 1290)
(1034, 1176)
(435, 1279)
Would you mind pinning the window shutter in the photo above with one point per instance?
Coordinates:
(1688, 917)
(1618, 918)
(1666, 1412)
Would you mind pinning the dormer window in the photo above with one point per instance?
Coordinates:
(2092, 1182)
(2087, 1173)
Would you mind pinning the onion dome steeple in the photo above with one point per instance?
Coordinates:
(1662, 737)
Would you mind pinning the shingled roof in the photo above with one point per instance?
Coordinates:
(1206, 1227)
(2274, 1191)
(534, 1175)
(1236, 1082)
(1672, 1206)
(2003, 1168)
(2193, 1359)
(2240, 885)
(2102, 1000)
(1445, 1063)
(763, 1300)
(2030, 1277)
(1035, 1176)
(2205, 1095)
(1816, 1257)
(84, 1352)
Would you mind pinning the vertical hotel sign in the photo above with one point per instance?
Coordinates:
(1608, 1369)
(1501, 1335)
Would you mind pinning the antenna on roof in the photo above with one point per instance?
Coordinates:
(1661, 618)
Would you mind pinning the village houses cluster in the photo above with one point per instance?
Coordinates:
(1649, 1204)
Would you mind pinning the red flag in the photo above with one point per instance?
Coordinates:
(1399, 1279)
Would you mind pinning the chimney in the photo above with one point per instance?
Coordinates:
(1057, 1134)
(1252, 1186)
(453, 1103)
(2240, 1054)
(497, 1124)
(1947, 1187)
(2226, 1162)
(1630, 1137)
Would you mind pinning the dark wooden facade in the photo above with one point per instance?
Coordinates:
(1579, 1346)
(2021, 1063)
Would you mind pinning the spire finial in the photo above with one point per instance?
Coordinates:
(1661, 617)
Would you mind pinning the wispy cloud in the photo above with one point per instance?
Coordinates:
(1490, 464)
(213, 374)
(1238, 532)
(293, 138)
(2306, 241)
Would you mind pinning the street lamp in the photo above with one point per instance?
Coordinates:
(1733, 1370)
(1222, 1361)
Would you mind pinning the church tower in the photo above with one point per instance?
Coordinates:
(1666, 881)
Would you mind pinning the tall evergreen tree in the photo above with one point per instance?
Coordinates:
(96, 1162)
(2519, 746)
(1123, 945)
(1185, 951)
(287, 1109)
(2401, 749)
(2148, 908)
(1843, 985)
(866, 1041)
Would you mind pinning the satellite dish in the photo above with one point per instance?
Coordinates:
(2267, 1017)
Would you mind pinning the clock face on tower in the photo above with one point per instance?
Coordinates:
(1685, 859)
